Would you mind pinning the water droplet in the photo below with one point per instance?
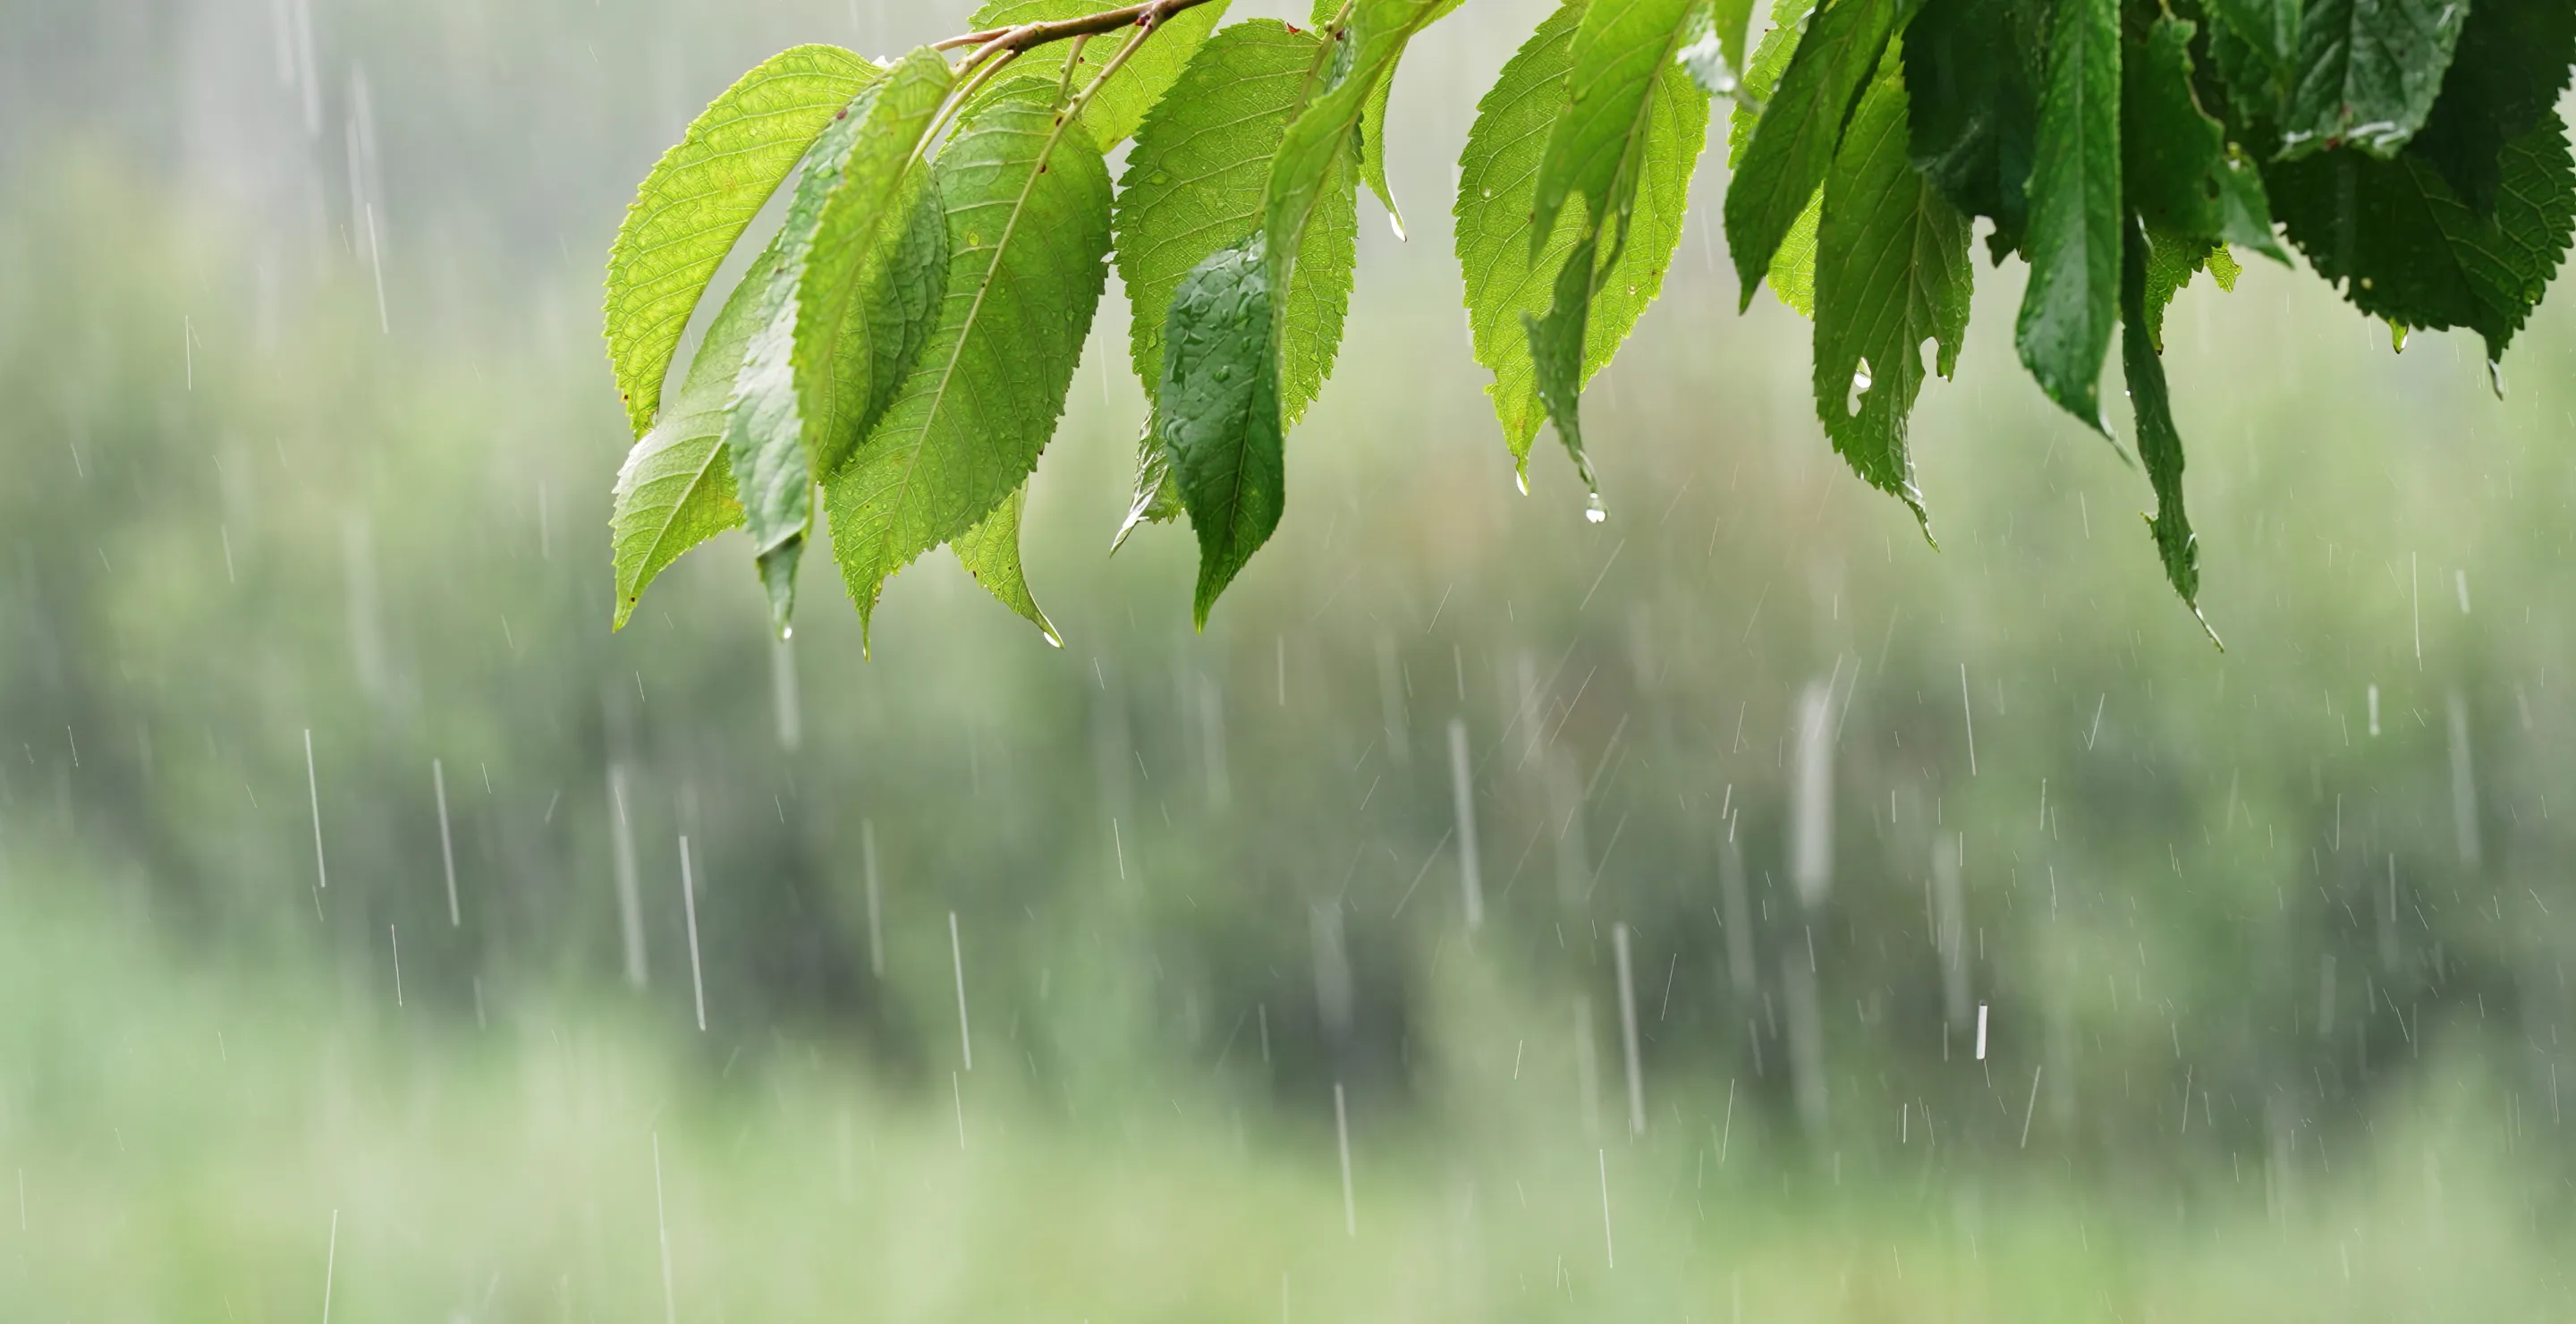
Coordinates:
(1396, 223)
(2495, 377)
(1593, 511)
(1521, 479)
(786, 632)
(1861, 378)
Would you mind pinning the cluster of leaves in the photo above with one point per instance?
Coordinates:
(899, 353)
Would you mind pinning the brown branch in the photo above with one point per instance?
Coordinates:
(1152, 13)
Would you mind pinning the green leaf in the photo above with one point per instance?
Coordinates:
(2366, 72)
(814, 375)
(1892, 271)
(1312, 162)
(1497, 183)
(1220, 414)
(1631, 130)
(676, 490)
(990, 551)
(2073, 298)
(2172, 260)
(1792, 274)
(2511, 65)
(701, 195)
(1971, 77)
(2269, 27)
(1373, 132)
(2159, 442)
(1027, 203)
(1120, 104)
(1792, 145)
(2405, 247)
(1194, 185)
(1154, 500)
(2176, 168)
(1622, 51)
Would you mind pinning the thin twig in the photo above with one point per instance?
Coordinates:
(1144, 28)
(1027, 35)
(1072, 61)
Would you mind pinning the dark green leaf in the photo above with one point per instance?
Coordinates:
(2177, 169)
(1497, 182)
(2405, 247)
(1792, 146)
(2159, 442)
(1792, 274)
(1892, 271)
(1120, 104)
(2366, 72)
(1972, 85)
(990, 551)
(1195, 184)
(699, 197)
(2269, 27)
(676, 489)
(2511, 64)
(2073, 298)
(1220, 414)
(1027, 201)
(814, 375)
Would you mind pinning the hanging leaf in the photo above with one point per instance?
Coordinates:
(1792, 145)
(811, 380)
(676, 488)
(1892, 271)
(2159, 441)
(2366, 72)
(2176, 167)
(2405, 247)
(1792, 274)
(1027, 204)
(1220, 414)
(2072, 300)
(2510, 67)
(1497, 184)
(701, 195)
(990, 551)
(1195, 184)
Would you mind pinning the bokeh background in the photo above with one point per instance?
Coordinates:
(309, 437)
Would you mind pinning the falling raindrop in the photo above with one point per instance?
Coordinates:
(1593, 511)
(689, 906)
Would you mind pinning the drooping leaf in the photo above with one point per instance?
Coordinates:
(1152, 500)
(2510, 66)
(2176, 168)
(2405, 247)
(1313, 161)
(1792, 275)
(2073, 299)
(2366, 72)
(811, 379)
(1792, 145)
(2172, 260)
(1220, 414)
(1497, 181)
(2159, 441)
(1195, 184)
(698, 198)
(1892, 271)
(676, 488)
(1971, 79)
(1120, 104)
(1027, 201)
(1373, 128)
(990, 551)
(1622, 51)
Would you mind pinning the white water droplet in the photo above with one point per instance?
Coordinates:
(1522, 481)
(1593, 511)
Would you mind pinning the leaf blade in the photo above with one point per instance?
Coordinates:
(1220, 414)
(990, 551)
(1791, 146)
(1121, 104)
(2072, 301)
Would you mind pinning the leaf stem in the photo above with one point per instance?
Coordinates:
(1144, 28)
(1026, 35)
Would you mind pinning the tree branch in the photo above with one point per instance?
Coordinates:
(1152, 13)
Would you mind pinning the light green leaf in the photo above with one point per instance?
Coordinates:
(699, 197)
(1027, 201)
(1153, 501)
(1792, 145)
(1623, 49)
(1194, 185)
(1713, 49)
(1120, 104)
(1497, 184)
(809, 382)
(1220, 414)
(2172, 260)
(1312, 162)
(2073, 298)
(2159, 441)
(990, 551)
(1892, 271)
(2367, 71)
(676, 489)
(1373, 133)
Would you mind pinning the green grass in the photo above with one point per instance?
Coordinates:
(187, 1130)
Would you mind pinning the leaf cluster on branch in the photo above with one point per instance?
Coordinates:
(898, 354)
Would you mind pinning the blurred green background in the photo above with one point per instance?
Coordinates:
(310, 433)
